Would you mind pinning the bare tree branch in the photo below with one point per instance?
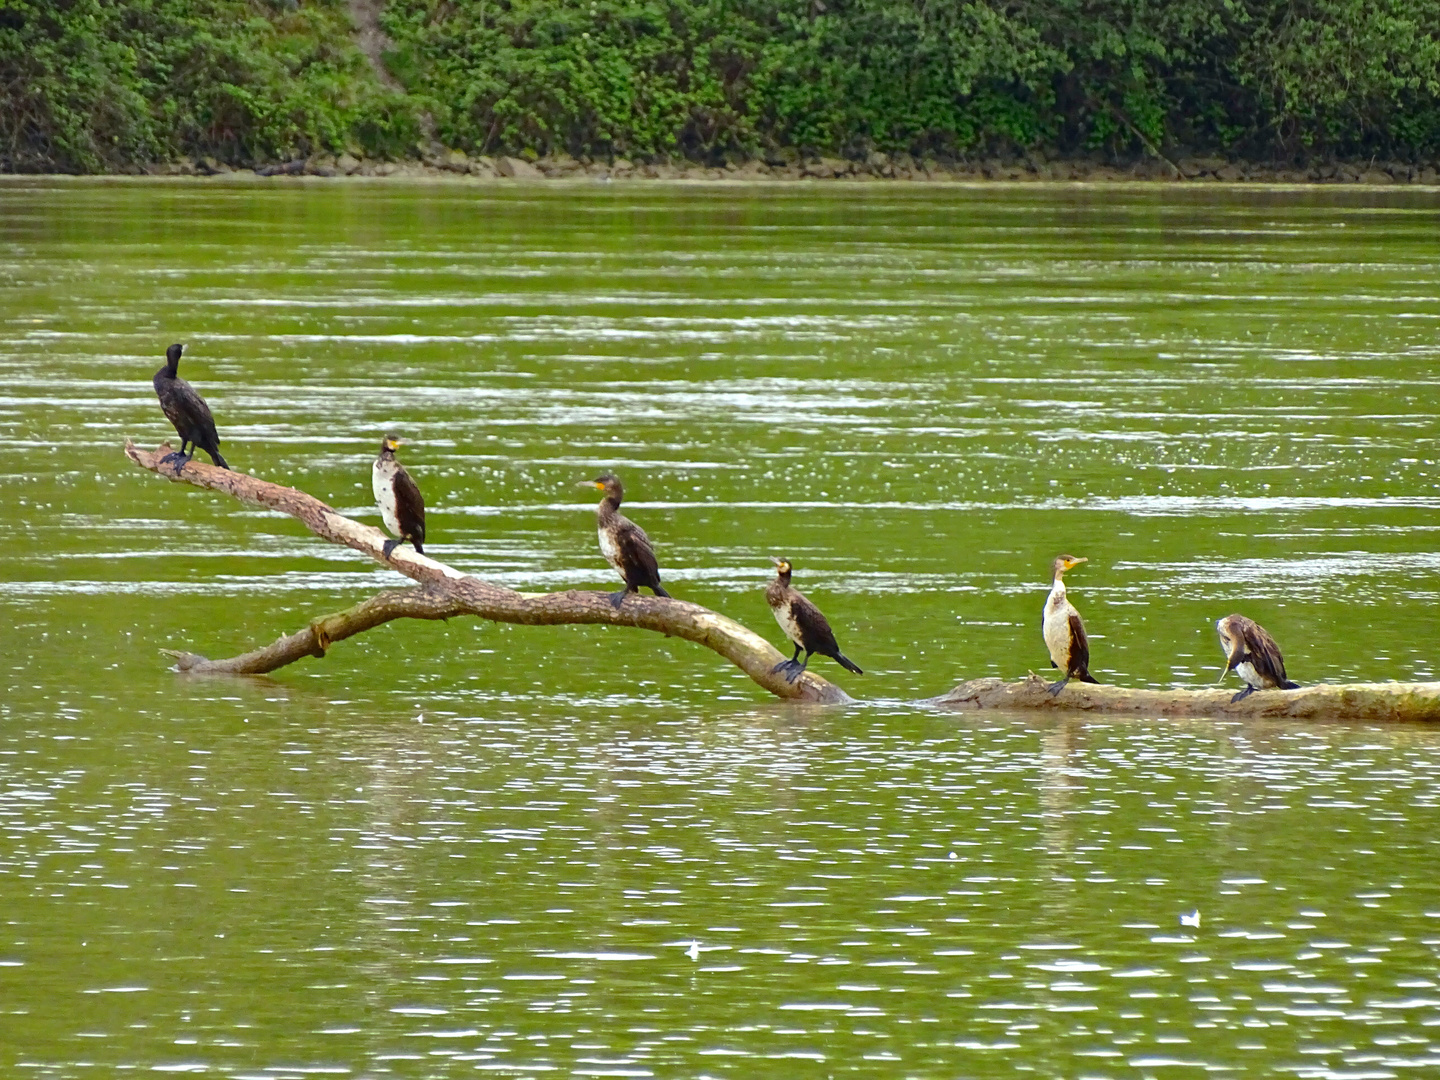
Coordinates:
(447, 592)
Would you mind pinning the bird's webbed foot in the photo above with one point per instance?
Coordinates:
(1054, 688)
(618, 598)
(390, 545)
(790, 668)
(1242, 695)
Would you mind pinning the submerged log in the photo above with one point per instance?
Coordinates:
(1340, 701)
(445, 593)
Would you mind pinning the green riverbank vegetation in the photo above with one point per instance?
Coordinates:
(887, 87)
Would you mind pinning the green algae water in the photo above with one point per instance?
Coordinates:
(462, 849)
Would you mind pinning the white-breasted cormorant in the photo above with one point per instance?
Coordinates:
(623, 543)
(1253, 655)
(1063, 631)
(803, 624)
(187, 411)
(401, 507)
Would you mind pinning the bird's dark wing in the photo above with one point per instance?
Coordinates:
(636, 555)
(1264, 655)
(815, 632)
(202, 424)
(409, 507)
(1079, 647)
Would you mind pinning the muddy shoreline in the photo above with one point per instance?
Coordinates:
(877, 167)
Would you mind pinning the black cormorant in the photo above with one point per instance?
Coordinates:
(1253, 655)
(187, 411)
(1063, 631)
(803, 624)
(623, 543)
(401, 507)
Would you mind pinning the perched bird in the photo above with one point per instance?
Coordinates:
(623, 543)
(803, 624)
(1063, 631)
(401, 507)
(187, 411)
(1253, 655)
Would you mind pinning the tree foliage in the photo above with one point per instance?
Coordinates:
(93, 85)
(101, 85)
(706, 78)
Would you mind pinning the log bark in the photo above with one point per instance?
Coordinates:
(445, 593)
(1387, 702)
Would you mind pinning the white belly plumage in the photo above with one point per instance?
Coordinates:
(610, 550)
(1055, 627)
(786, 618)
(1246, 671)
(382, 481)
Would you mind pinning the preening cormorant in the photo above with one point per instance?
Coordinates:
(623, 543)
(803, 624)
(187, 411)
(1063, 631)
(401, 507)
(1253, 655)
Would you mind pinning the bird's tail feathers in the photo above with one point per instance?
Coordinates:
(659, 590)
(848, 664)
(220, 461)
(1288, 685)
(1085, 676)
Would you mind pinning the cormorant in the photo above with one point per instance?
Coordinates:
(1063, 631)
(803, 624)
(1253, 655)
(401, 506)
(187, 411)
(623, 543)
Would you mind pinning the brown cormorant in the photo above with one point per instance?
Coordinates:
(401, 506)
(623, 543)
(1063, 631)
(1253, 655)
(803, 624)
(187, 411)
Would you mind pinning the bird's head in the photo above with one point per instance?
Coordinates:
(782, 567)
(610, 484)
(1066, 562)
(1231, 629)
(172, 354)
(390, 443)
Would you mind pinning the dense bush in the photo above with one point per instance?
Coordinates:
(95, 85)
(703, 78)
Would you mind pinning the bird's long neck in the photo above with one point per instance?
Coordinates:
(172, 368)
(1057, 590)
(783, 579)
(609, 506)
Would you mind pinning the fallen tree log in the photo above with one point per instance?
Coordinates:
(1341, 701)
(446, 593)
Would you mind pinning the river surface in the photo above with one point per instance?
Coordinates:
(460, 849)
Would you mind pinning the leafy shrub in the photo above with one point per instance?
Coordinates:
(94, 85)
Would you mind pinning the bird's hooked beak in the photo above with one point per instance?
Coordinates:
(1070, 564)
(590, 484)
(393, 443)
